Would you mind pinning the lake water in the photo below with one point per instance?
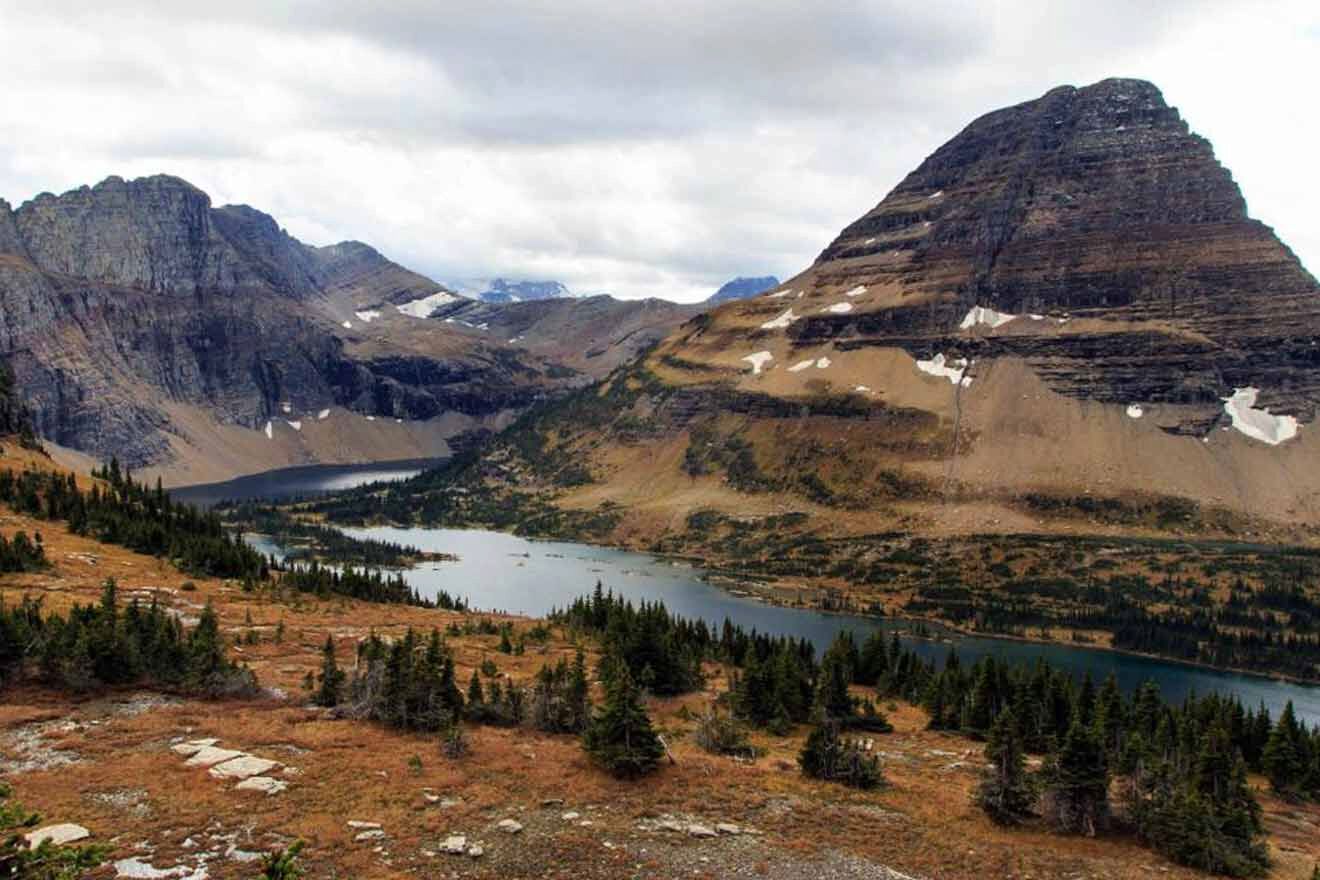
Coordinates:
(501, 572)
(298, 482)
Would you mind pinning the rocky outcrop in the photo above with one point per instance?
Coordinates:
(1096, 205)
(123, 300)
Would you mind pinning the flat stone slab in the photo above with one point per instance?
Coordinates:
(359, 824)
(262, 783)
(208, 756)
(194, 746)
(728, 828)
(369, 834)
(58, 835)
(695, 830)
(242, 767)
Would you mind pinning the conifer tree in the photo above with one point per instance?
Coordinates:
(331, 678)
(826, 755)
(620, 737)
(1077, 781)
(1282, 758)
(1006, 792)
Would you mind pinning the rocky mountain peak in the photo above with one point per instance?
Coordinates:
(1094, 203)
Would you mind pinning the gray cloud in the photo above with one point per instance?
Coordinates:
(645, 151)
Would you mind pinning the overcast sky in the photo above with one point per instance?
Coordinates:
(640, 151)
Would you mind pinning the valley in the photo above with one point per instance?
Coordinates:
(986, 545)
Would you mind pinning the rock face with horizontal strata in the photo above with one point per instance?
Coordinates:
(1096, 203)
(121, 300)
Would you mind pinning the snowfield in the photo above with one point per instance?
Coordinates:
(988, 317)
(780, 322)
(856, 291)
(801, 365)
(759, 360)
(422, 308)
(938, 366)
(838, 308)
(1258, 423)
(323, 415)
(367, 316)
(1135, 412)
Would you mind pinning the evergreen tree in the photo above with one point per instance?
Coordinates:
(1006, 793)
(331, 678)
(620, 737)
(1077, 781)
(826, 755)
(1282, 758)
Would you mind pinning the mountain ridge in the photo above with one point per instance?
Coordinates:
(1064, 305)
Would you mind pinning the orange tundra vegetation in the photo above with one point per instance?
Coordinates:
(107, 762)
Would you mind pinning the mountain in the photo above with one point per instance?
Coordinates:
(1062, 321)
(590, 335)
(741, 288)
(142, 322)
(502, 291)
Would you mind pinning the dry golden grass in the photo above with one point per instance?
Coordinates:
(130, 789)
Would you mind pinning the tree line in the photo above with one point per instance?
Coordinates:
(129, 514)
(106, 645)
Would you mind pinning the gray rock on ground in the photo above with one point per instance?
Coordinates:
(65, 832)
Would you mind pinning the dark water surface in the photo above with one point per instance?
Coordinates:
(501, 572)
(303, 481)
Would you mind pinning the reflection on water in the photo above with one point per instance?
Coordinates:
(295, 482)
(502, 572)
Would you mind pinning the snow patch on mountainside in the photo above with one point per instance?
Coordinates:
(422, 308)
(988, 317)
(1258, 423)
(367, 315)
(780, 322)
(759, 360)
(951, 370)
(1135, 412)
(801, 365)
(838, 309)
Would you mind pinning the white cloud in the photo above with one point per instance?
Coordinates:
(615, 148)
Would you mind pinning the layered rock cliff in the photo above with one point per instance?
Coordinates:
(136, 317)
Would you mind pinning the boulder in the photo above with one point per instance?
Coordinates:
(509, 826)
(371, 834)
(58, 835)
(192, 747)
(262, 783)
(728, 828)
(454, 845)
(208, 756)
(242, 767)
